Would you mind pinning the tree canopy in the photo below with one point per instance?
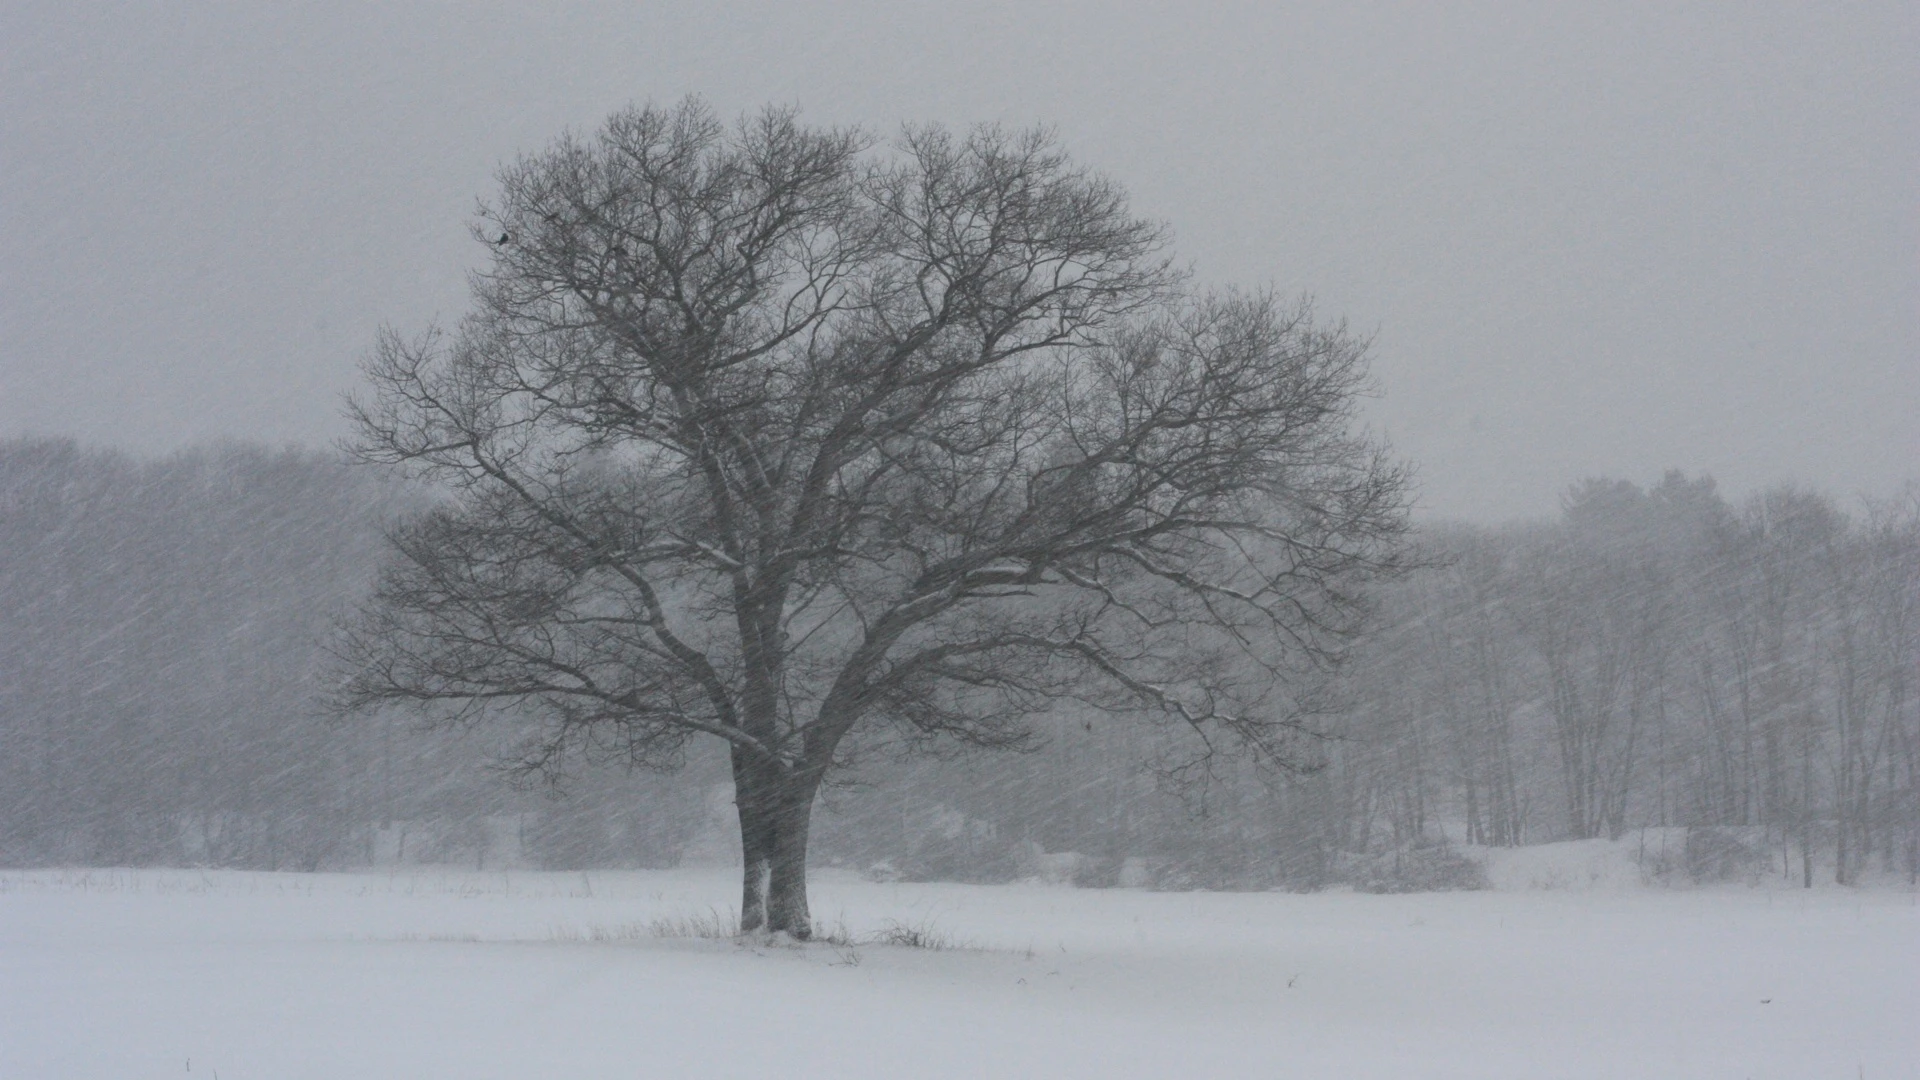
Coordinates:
(771, 434)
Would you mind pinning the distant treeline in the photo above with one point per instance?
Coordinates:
(1654, 658)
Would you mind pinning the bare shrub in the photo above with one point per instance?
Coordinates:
(1435, 868)
(1715, 854)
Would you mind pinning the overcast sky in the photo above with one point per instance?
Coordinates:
(1595, 239)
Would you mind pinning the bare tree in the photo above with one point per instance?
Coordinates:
(762, 432)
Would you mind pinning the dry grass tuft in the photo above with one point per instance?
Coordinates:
(922, 935)
(713, 924)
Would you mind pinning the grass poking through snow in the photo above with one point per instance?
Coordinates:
(922, 935)
(710, 924)
(717, 925)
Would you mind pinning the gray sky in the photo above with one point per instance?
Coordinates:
(1603, 239)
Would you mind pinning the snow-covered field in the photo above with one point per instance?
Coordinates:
(130, 974)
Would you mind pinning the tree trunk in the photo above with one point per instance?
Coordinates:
(787, 877)
(1806, 812)
(754, 865)
(775, 811)
(749, 801)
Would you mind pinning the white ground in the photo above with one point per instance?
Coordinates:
(131, 974)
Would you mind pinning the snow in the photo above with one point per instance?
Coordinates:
(128, 974)
(1603, 865)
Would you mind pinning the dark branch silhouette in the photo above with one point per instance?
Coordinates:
(764, 434)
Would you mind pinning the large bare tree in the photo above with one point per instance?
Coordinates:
(768, 433)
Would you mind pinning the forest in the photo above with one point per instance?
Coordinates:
(1735, 673)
